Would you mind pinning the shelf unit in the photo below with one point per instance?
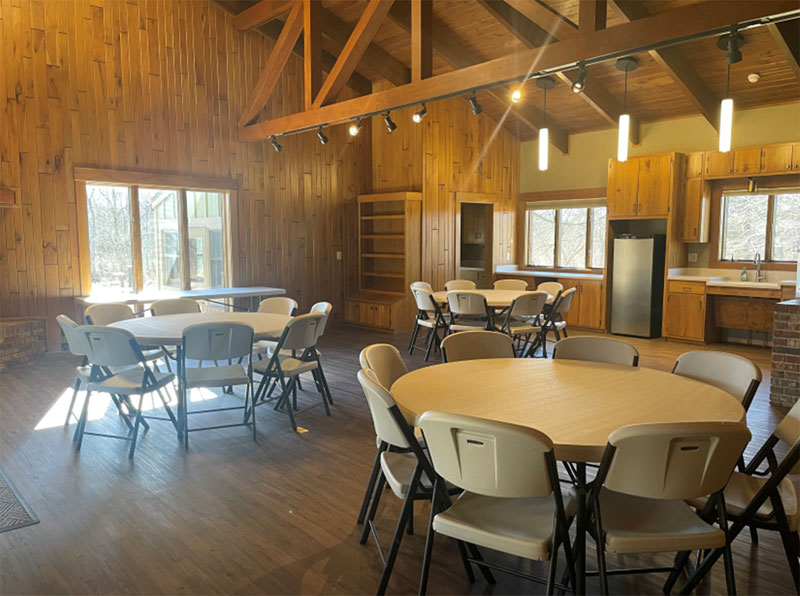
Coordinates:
(389, 241)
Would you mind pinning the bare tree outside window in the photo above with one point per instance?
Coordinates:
(109, 213)
(767, 223)
(786, 228)
(568, 237)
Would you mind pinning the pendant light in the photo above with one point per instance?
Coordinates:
(626, 65)
(544, 83)
(731, 44)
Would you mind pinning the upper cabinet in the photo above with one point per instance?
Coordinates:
(697, 196)
(641, 186)
(694, 165)
(777, 159)
(747, 161)
(750, 161)
(718, 165)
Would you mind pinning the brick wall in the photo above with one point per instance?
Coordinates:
(21, 340)
(785, 387)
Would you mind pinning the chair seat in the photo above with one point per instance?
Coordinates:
(522, 527)
(264, 345)
(291, 366)
(640, 525)
(154, 354)
(467, 325)
(83, 372)
(398, 469)
(559, 324)
(523, 329)
(216, 376)
(129, 382)
(743, 487)
(430, 323)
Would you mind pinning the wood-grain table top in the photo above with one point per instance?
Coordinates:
(167, 330)
(577, 404)
(494, 298)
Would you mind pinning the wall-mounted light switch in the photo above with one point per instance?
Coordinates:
(338, 255)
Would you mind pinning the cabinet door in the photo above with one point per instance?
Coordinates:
(796, 157)
(381, 315)
(623, 183)
(747, 161)
(591, 307)
(694, 165)
(351, 314)
(695, 219)
(685, 316)
(655, 173)
(718, 164)
(776, 159)
(572, 316)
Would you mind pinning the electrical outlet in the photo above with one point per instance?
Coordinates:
(338, 255)
(692, 257)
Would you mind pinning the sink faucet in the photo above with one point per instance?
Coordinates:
(757, 261)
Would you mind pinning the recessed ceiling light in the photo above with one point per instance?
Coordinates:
(753, 77)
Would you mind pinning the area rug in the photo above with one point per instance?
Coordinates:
(14, 511)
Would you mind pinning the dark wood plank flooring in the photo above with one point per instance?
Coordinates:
(272, 517)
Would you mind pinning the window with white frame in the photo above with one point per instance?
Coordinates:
(566, 234)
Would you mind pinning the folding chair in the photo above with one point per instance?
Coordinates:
(429, 316)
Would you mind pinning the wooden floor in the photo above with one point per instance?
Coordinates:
(272, 517)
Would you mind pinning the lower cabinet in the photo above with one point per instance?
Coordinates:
(376, 311)
(685, 311)
(588, 306)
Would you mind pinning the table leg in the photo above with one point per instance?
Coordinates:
(181, 393)
(580, 534)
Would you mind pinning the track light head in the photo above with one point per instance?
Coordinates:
(476, 107)
(355, 128)
(516, 96)
(322, 138)
(732, 44)
(390, 125)
(580, 83)
(276, 145)
(418, 116)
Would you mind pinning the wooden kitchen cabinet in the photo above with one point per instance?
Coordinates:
(572, 316)
(796, 157)
(718, 165)
(747, 161)
(641, 186)
(694, 165)
(588, 304)
(374, 313)
(776, 159)
(623, 187)
(685, 316)
(696, 210)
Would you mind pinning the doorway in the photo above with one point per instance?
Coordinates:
(474, 242)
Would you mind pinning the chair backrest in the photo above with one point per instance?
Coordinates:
(528, 304)
(495, 459)
(596, 349)
(105, 314)
(325, 308)
(278, 305)
(735, 374)
(563, 303)
(519, 285)
(674, 460)
(217, 341)
(789, 428)
(459, 284)
(467, 303)
(385, 361)
(551, 287)
(174, 306)
(422, 284)
(380, 402)
(108, 346)
(75, 341)
(476, 345)
(301, 332)
(424, 299)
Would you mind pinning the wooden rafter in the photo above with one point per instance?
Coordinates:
(353, 50)
(312, 51)
(626, 38)
(787, 35)
(529, 33)
(421, 39)
(592, 15)
(544, 16)
(673, 62)
(275, 63)
(261, 13)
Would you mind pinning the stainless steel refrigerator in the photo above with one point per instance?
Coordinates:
(637, 285)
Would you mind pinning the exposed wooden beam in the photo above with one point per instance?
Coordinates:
(544, 16)
(421, 39)
(673, 62)
(275, 63)
(526, 31)
(353, 50)
(694, 19)
(787, 35)
(312, 51)
(592, 15)
(337, 32)
(261, 13)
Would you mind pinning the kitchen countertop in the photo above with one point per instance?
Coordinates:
(512, 270)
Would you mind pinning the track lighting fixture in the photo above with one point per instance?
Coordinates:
(516, 96)
(731, 44)
(276, 145)
(580, 83)
(476, 107)
(322, 138)
(418, 116)
(626, 65)
(544, 83)
(355, 128)
(390, 125)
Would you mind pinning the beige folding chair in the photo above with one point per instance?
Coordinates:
(174, 306)
(551, 287)
(556, 323)
(735, 374)
(523, 320)
(429, 316)
(477, 345)
(468, 311)
(513, 502)
(78, 347)
(279, 305)
(459, 284)
(519, 285)
(596, 349)
(647, 473)
(422, 284)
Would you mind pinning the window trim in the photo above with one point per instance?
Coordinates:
(134, 180)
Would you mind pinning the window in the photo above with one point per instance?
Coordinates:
(766, 223)
(152, 238)
(566, 234)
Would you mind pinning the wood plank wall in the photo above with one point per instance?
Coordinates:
(158, 86)
(450, 151)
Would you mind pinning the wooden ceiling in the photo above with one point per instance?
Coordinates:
(467, 32)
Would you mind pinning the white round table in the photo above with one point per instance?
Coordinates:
(494, 298)
(167, 330)
(577, 404)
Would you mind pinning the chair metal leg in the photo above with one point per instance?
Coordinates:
(551, 568)
(78, 438)
(429, 340)
(413, 341)
(324, 382)
(601, 552)
(426, 557)
(462, 550)
(321, 389)
(485, 571)
(136, 428)
(373, 508)
(753, 534)
(792, 550)
(373, 476)
(75, 390)
(680, 562)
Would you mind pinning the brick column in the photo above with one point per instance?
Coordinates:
(785, 375)
(21, 340)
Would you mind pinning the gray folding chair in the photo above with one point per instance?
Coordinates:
(174, 306)
(429, 316)
(522, 319)
(477, 345)
(217, 341)
(77, 346)
(596, 349)
(112, 312)
(468, 311)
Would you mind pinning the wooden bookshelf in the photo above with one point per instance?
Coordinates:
(389, 259)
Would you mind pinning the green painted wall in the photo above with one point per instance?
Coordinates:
(586, 164)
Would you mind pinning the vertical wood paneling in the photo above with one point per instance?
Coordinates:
(159, 85)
